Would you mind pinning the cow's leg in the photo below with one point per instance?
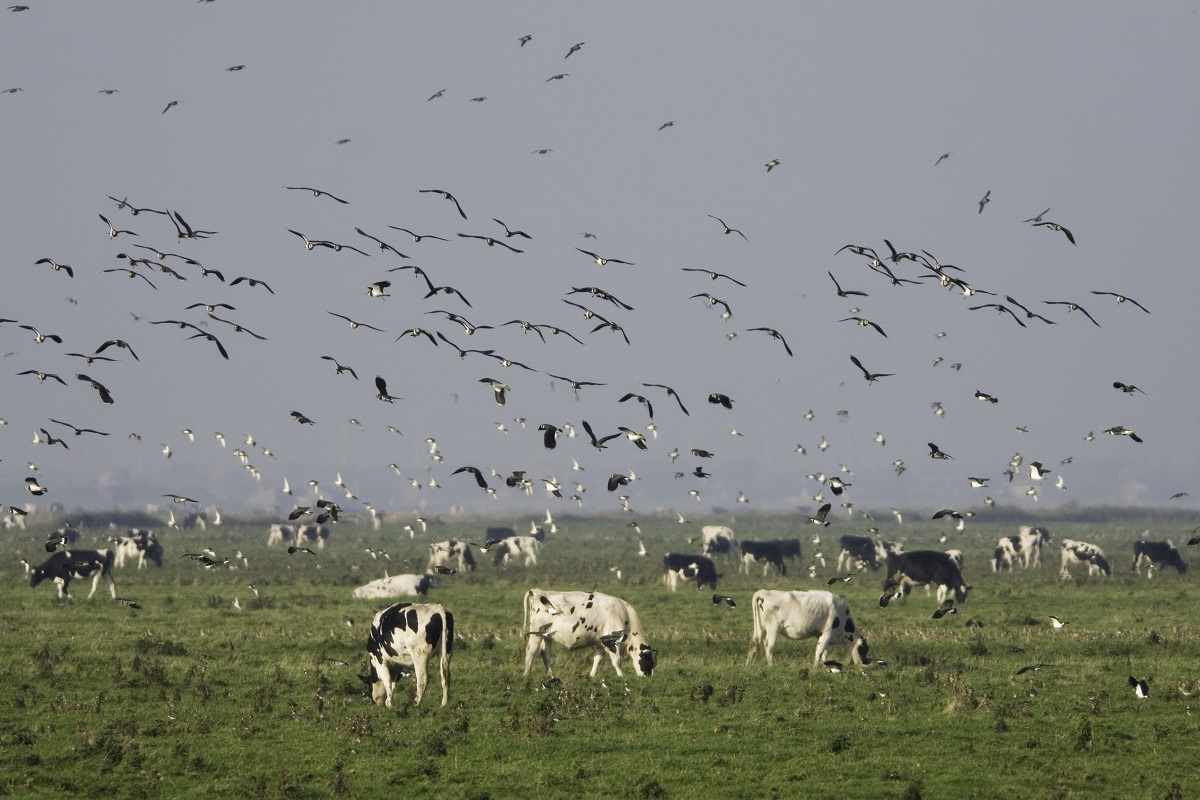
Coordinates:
(770, 633)
(822, 647)
(444, 667)
(383, 674)
(533, 643)
(62, 587)
(421, 672)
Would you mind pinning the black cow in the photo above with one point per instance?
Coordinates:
(860, 549)
(788, 548)
(766, 553)
(929, 567)
(66, 565)
(701, 569)
(1157, 554)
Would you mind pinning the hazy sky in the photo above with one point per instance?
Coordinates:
(1086, 109)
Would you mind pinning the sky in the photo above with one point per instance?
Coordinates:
(1087, 110)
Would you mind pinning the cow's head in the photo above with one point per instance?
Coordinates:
(37, 575)
(645, 659)
(960, 592)
(1102, 563)
(375, 686)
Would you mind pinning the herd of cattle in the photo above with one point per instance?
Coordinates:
(405, 636)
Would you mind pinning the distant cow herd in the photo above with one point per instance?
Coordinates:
(406, 636)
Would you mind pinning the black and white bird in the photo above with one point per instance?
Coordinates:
(1127, 388)
(820, 517)
(1121, 430)
(498, 387)
(381, 386)
(1141, 688)
(1123, 298)
(728, 230)
(718, 599)
(602, 260)
(936, 452)
(1056, 622)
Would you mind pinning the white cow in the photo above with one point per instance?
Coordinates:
(407, 635)
(452, 553)
(803, 615)
(1078, 553)
(1029, 545)
(397, 586)
(281, 534)
(605, 623)
(517, 547)
(717, 539)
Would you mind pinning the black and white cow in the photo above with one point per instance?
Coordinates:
(803, 615)
(313, 533)
(397, 586)
(680, 566)
(408, 635)
(281, 533)
(788, 548)
(1077, 553)
(141, 546)
(517, 548)
(1156, 554)
(1005, 554)
(451, 554)
(717, 540)
(905, 570)
(67, 565)
(607, 624)
(1029, 544)
(860, 551)
(766, 553)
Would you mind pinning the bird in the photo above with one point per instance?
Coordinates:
(947, 512)
(377, 288)
(170, 105)
(845, 292)
(936, 452)
(509, 232)
(251, 282)
(774, 334)
(987, 198)
(870, 376)
(942, 158)
(1056, 622)
(447, 196)
(1122, 298)
(1037, 472)
(772, 164)
(820, 517)
(1032, 668)
(1121, 430)
(490, 241)
(601, 260)
(340, 368)
(78, 431)
(864, 323)
(121, 343)
(525, 39)
(56, 266)
(987, 398)
(303, 420)
(947, 607)
(105, 396)
(574, 48)
(479, 479)
(418, 236)
(1126, 388)
(498, 387)
(1141, 688)
(977, 483)
(355, 323)
(35, 488)
(670, 393)
(42, 376)
(1038, 218)
(318, 193)
(712, 275)
(40, 337)
(1054, 226)
(723, 400)
(718, 599)
(381, 386)
(728, 230)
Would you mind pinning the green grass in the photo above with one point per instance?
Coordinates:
(189, 697)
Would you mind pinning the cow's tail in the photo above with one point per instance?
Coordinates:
(756, 611)
(528, 606)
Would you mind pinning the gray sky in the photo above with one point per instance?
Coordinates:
(1088, 109)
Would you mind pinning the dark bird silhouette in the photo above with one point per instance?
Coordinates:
(936, 452)
(251, 282)
(185, 231)
(598, 443)
(105, 397)
(1002, 309)
(844, 292)
(947, 512)
(617, 479)
(942, 158)
(42, 376)
(508, 232)
(574, 48)
(574, 384)
(670, 393)
(1054, 226)
(723, 400)
(870, 376)
(303, 420)
(774, 334)
(1028, 314)
(447, 196)
(490, 241)
(113, 232)
(728, 230)
(987, 198)
(466, 324)
(640, 399)
(1126, 387)
(418, 236)
(381, 386)
(220, 347)
(355, 323)
(1122, 298)
(121, 343)
(1141, 688)
(549, 435)
(602, 261)
(863, 322)
(78, 431)
(380, 242)
(718, 599)
(498, 387)
(601, 294)
(1121, 430)
(713, 275)
(820, 517)
(987, 398)
(237, 327)
(479, 479)
(1038, 218)
(50, 440)
(56, 266)
(40, 337)
(318, 193)
(1072, 307)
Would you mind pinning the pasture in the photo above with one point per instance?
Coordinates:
(190, 697)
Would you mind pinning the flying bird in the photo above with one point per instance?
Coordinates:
(355, 323)
(987, 198)
(602, 261)
(574, 48)
(1122, 298)
(1054, 226)
(1121, 430)
(498, 387)
(1072, 307)
(844, 292)
(56, 266)
(447, 196)
(105, 396)
(303, 420)
(318, 193)
(863, 322)
(1126, 387)
(712, 275)
(772, 164)
(728, 230)
(935, 452)
(774, 334)
(870, 376)
(340, 368)
(383, 395)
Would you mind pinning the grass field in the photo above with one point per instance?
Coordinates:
(190, 697)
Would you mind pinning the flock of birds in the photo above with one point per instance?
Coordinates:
(164, 257)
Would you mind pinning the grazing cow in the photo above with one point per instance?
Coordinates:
(1005, 554)
(905, 570)
(803, 615)
(717, 540)
(140, 545)
(407, 635)
(451, 553)
(517, 547)
(1029, 545)
(700, 569)
(605, 623)
(281, 534)
(1077, 553)
(862, 551)
(397, 586)
(66, 565)
(766, 553)
(788, 548)
(1156, 554)
(313, 533)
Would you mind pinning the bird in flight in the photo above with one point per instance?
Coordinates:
(863, 322)
(844, 292)
(728, 230)
(56, 266)
(355, 323)
(987, 198)
(447, 196)
(774, 334)
(942, 158)
(1122, 298)
(318, 193)
(601, 260)
(870, 376)
(1072, 307)
(1054, 226)
(1126, 387)
(936, 452)
(712, 275)
(772, 164)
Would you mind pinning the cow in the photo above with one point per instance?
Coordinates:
(803, 615)
(140, 545)
(766, 553)
(1029, 545)
(397, 586)
(788, 548)
(517, 547)
(574, 620)
(700, 569)
(957, 557)
(281, 534)
(717, 540)
(313, 533)
(1005, 554)
(860, 551)
(407, 635)
(904, 570)
(66, 565)
(451, 553)
(1156, 554)
(1077, 553)
(497, 533)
